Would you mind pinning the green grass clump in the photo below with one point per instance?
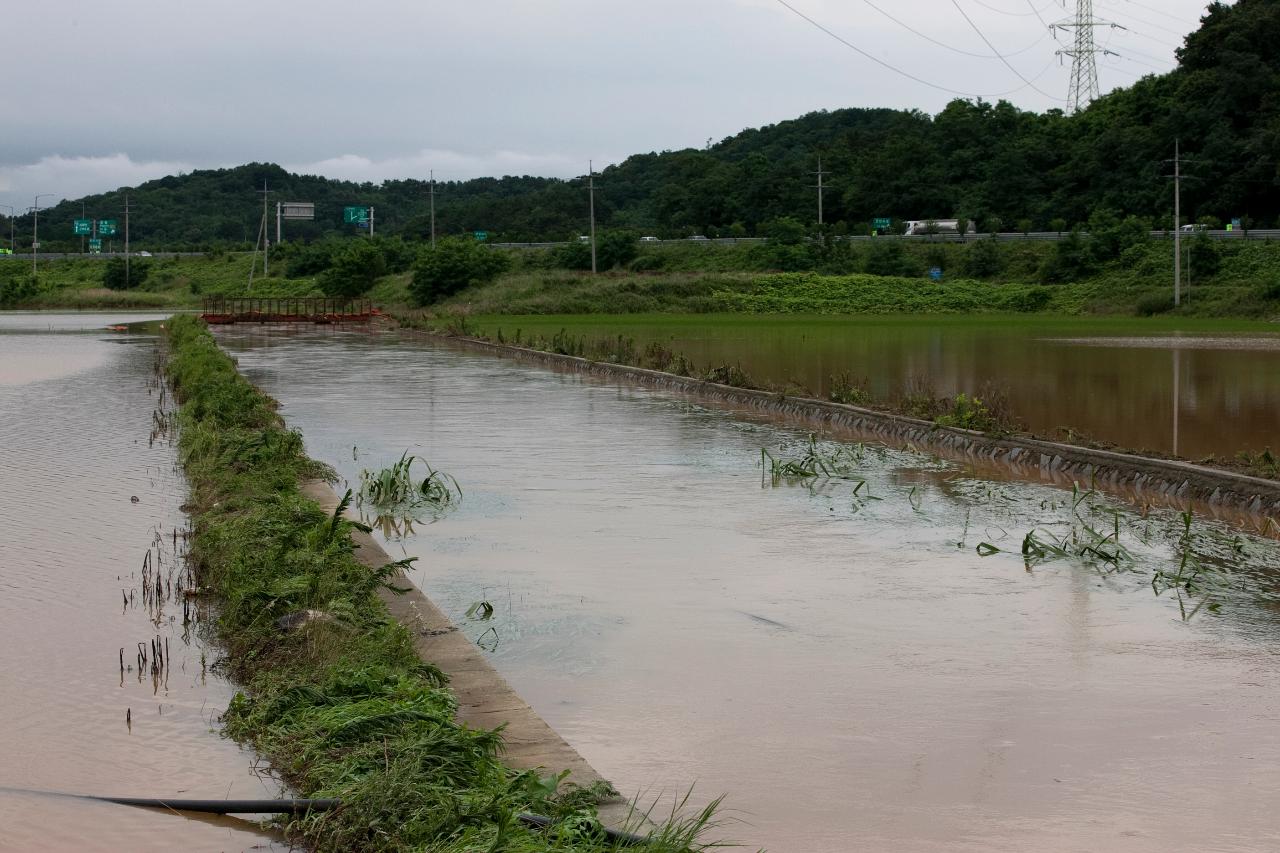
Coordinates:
(341, 705)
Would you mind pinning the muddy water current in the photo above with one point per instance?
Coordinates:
(88, 514)
(836, 657)
(1194, 389)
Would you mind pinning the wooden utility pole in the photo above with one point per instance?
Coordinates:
(266, 237)
(127, 280)
(1177, 225)
(433, 208)
(591, 192)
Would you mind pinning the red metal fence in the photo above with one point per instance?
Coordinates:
(286, 309)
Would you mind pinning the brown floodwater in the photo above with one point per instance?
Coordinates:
(838, 661)
(1188, 387)
(87, 496)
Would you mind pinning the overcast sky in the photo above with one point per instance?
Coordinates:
(106, 94)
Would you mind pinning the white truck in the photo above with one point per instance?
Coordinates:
(920, 227)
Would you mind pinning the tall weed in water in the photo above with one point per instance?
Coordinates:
(395, 487)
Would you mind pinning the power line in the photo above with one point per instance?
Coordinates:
(1034, 10)
(1145, 22)
(1037, 13)
(1177, 18)
(874, 59)
(1163, 44)
(910, 76)
(929, 38)
(1006, 62)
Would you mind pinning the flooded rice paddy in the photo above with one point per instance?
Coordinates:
(835, 655)
(1195, 389)
(89, 525)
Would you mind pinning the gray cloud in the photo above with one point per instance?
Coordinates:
(388, 88)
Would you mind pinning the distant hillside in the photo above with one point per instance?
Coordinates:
(992, 163)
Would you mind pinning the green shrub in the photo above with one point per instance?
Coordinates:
(1071, 260)
(1028, 299)
(1151, 304)
(967, 412)
(648, 263)
(17, 289)
(452, 265)
(119, 274)
(354, 270)
(983, 259)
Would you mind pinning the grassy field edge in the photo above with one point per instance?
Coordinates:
(340, 703)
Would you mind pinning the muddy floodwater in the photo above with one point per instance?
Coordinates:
(838, 659)
(1193, 387)
(89, 501)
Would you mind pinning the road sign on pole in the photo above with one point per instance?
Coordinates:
(482, 235)
(106, 227)
(881, 223)
(95, 245)
(356, 215)
(83, 226)
(300, 210)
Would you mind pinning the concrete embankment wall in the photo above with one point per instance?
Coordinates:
(1138, 478)
(485, 699)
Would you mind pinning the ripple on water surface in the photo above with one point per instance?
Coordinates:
(843, 665)
(75, 451)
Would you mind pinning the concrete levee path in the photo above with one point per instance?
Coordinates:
(485, 699)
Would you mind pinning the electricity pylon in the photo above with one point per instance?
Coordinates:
(1084, 54)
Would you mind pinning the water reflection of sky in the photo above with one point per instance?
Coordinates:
(845, 666)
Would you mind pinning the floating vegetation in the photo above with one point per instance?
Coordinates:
(395, 487)
(836, 462)
(482, 610)
(1200, 565)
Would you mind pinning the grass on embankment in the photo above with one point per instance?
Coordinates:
(342, 706)
(888, 278)
(76, 283)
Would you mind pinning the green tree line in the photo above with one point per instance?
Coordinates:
(994, 164)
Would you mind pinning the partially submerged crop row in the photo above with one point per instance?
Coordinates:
(335, 695)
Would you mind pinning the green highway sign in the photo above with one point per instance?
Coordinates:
(83, 226)
(355, 214)
(482, 235)
(95, 245)
(880, 223)
(106, 227)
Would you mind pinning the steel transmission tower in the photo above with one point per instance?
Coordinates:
(1084, 54)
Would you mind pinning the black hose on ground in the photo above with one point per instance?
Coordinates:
(290, 807)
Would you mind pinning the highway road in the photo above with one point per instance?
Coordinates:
(1254, 234)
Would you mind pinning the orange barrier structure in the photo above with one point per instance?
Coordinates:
(286, 309)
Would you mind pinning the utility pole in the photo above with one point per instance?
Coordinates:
(819, 173)
(266, 240)
(126, 241)
(1177, 224)
(82, 236)
(278, 222)
(11, 218)
(433, 208)
(35, 231)
(591, 193)
(1084, 55)
(370, 222)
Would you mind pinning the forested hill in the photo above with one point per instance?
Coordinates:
(992, 163)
